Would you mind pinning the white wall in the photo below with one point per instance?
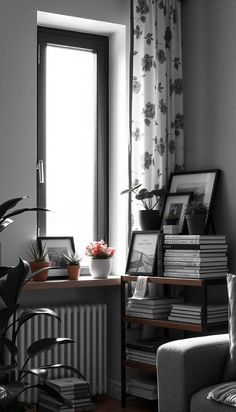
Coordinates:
(209, 70)
(18, 71)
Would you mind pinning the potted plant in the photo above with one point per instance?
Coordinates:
(196, 215)
(72, 261)
(39, 261)
(152, 202)
(13, 376)
(100, 262)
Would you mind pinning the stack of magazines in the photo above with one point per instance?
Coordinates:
(143, 387)
(150, 307)
(77, 390)
(193, 313)
(195, 256)
(144, 350)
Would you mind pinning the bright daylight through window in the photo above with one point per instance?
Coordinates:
(68, 144)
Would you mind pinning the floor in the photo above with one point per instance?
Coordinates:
(106, 404)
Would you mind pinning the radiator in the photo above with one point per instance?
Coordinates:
(87, 326)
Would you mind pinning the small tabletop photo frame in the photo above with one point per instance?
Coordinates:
(174, 210)
(142, 253)
(55, 247)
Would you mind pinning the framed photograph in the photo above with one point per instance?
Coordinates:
(202, 183)
(55, 247)
(142, 253)
(174, 209)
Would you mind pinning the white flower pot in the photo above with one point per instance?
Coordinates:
(100, 268)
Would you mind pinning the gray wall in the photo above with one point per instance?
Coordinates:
(209, 69)
(18, 70)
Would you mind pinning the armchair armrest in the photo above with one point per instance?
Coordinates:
(185, 366)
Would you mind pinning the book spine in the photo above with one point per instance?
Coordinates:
(160, 254)
(193, 241)
(204, 237)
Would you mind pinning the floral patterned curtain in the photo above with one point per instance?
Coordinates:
(157, 94)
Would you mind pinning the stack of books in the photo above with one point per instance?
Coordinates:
(193, 313)
(77, 390)
(195, 256)
(150, 307)
(143, 387)
(144, 350)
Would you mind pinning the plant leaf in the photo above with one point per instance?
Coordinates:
(55, 394)
(30, 313)
(7, 368)
(9, 204)
(10, 287)
(5, 315)
(25, 209)
(45, 344)
(9, 345)
(131, 189)
(62, 366)
(4, 270)
(4, 223)
(10, 392)
(39, 372)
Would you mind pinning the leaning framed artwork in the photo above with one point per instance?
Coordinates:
(174, 209)
(55, 247)
(142, 253)
(201, 183)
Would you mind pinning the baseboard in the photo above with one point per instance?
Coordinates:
(114, 389)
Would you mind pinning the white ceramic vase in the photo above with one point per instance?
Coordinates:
(100, 268)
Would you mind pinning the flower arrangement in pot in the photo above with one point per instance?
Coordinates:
(38, 260)
(196, 213)
(152, 201)
(72, 261)
(100, 262)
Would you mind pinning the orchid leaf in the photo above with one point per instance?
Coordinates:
(4, 270)
(46, 344)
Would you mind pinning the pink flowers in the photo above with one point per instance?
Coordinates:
(99, 250)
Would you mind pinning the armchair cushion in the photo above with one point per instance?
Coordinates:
(200, 403)
(230, 370)
(186, 366)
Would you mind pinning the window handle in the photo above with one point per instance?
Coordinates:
(40, 169)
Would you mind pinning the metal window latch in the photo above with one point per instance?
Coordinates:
(40, 169)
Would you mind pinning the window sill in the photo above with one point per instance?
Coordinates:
(84, 282)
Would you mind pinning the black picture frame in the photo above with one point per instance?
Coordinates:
(55, 246)
(202, 183)
(142, 255)
(174, 209)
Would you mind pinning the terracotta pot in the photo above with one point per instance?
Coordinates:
(149, 219)
(42, 276)
(73, 272)
(100, 268)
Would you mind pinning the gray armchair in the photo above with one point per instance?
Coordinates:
(187, 370)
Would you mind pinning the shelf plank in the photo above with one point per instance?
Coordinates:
(162, 280)
(164, 323)
(83, 281)
(138, 365)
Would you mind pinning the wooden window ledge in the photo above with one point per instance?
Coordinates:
(84, 282)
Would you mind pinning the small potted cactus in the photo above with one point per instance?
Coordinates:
(196, 216)
(38, 260)
(72, 261)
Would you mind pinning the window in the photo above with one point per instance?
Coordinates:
(73, 135)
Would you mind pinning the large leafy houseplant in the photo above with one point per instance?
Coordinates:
(13, 376)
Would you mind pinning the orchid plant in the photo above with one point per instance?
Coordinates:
(99, 250)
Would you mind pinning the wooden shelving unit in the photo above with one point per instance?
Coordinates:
(202, 328)
(82, 282)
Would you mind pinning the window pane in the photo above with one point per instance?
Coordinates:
(71, 98)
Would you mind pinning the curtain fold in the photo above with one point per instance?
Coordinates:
(157, 144)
